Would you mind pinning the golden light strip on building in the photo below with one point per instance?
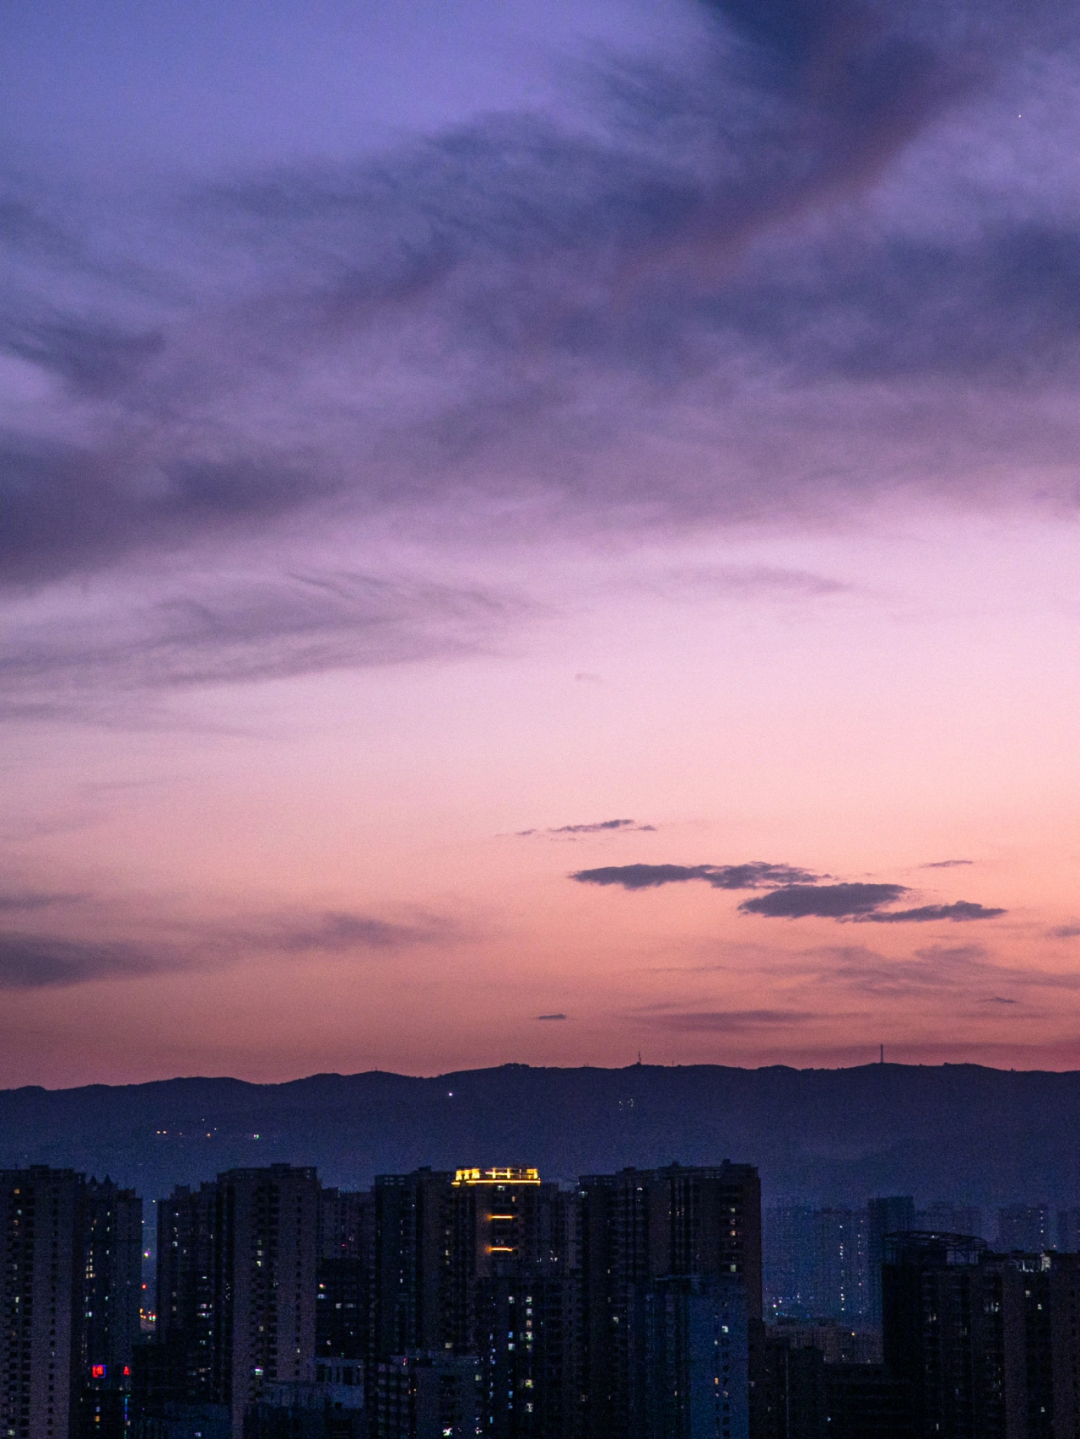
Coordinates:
(507, 1174)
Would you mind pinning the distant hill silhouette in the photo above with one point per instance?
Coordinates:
(959, 1132)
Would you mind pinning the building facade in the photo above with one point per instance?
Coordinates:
(237, 1288)
(639, 1227)
(70, 1284)
(987, 1344)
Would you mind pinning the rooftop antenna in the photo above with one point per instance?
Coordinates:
(882, 1059)
(639, 1056)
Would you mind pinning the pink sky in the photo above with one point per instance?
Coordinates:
(375, 501)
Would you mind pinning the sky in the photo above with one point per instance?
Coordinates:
(538, 533)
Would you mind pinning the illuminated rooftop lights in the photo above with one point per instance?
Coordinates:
(508, 1174)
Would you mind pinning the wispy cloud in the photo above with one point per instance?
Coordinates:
(731, 1021)
(959, 912)
(603, 826)
(508, 317)
(29, 961)
(36, 961)
(268, 627)
(932, 972)
(750, 582)
(31, 899)
(338, 931)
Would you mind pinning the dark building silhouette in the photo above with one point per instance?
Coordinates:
(185, 1421)
(788, 1259)
(816, 1262)
(481, 1263)
(791, 1401)
(840, 1275)
(944, 1217)
(864, 1401)
(943, 1332)
(427, 1396)
(39, 1233)
(526, 1334)
(988, 1344)
(696, 1364)
(1068, 1230)
(411, 1287)
(808, 1398)
(69, 1303)
(890, 1214)
(346, 1261)
(1025, 1227)
(328, 1406)
(237, 1286)
(111, 1268)
(641, 1226)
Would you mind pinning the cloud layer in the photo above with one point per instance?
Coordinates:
(790, 893)
(754, 875)
(603, 826)
(960, 911)
(785, 236)
(45, 961)
(259, 627)
(829, 901)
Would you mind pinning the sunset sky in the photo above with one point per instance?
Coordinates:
(539, 533)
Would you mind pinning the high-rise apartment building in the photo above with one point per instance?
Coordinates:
(642, 1226)
(112, 1274)
(346, 1258)
(427, 1396)
(104, 1340)
(942, 1216)
(69, 1303)
(696, 1371)
(39, 1259)
(889, 1214)
(481, 1262)
(943, 1332)
(1068, 1230)
(840, 1276)
(411, 1296)
(237, 1287)
(816, 1262)
(987, 1344)
(788, 1260)
(1024, 1227)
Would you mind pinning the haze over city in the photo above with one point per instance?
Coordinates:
(538, 534)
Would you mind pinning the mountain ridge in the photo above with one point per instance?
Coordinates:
(965, 1132)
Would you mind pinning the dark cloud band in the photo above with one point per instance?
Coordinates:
(827, 901)
(790, 893)
(754, 875)
(959, 911)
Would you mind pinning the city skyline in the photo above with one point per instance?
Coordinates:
(485, 1299)
(538, 537)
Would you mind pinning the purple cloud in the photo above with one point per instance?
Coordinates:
(754, 875)
(236, 352)
(959, 912)
(731, 1021)
(826, 901)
